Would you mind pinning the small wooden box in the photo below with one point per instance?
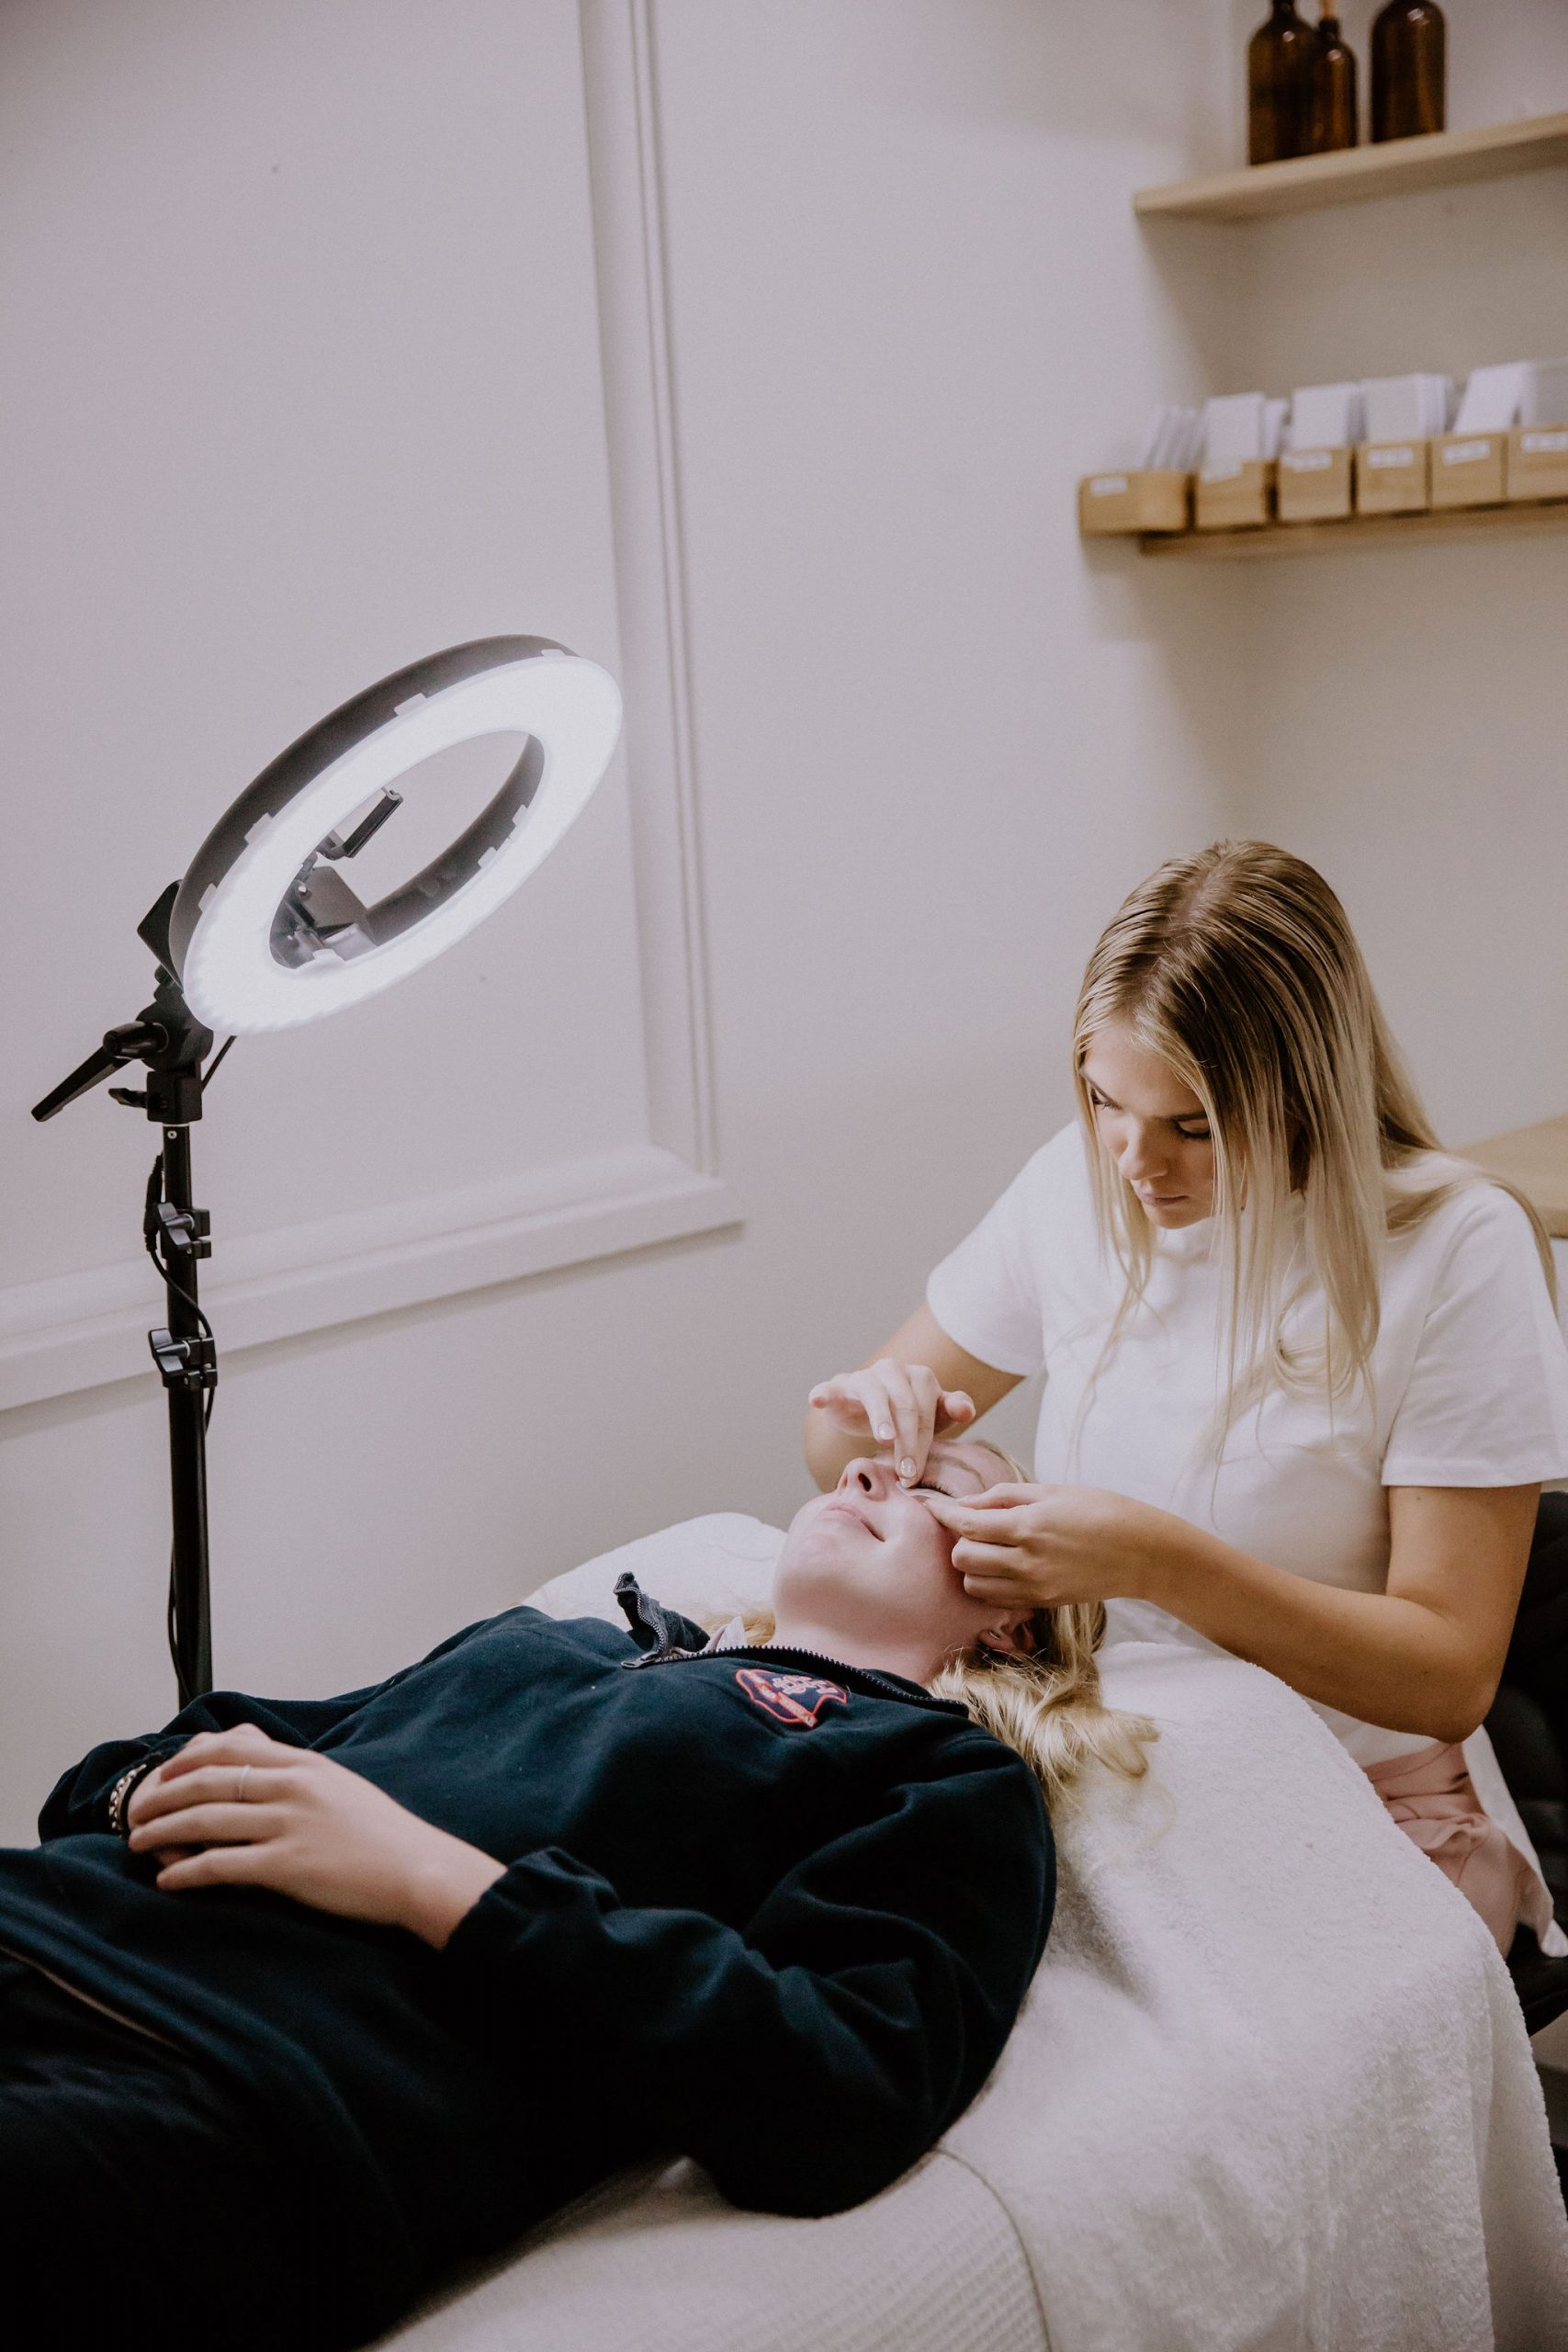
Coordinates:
(1314, 485)
(1144, 498)
(1392, 477)
(1234, 498)
(1537, 461)
(1467, 468)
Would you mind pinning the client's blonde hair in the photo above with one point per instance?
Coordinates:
(1046, 1705)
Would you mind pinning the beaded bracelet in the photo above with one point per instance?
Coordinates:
(120, 1795)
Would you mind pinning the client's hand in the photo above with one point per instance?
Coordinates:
(235, 1808)
(899, 1405)
(1050, 1545)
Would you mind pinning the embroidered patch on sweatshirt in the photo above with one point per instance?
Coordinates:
(795, 1699)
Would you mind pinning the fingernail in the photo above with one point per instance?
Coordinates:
(885, 1431)
(905, 1468)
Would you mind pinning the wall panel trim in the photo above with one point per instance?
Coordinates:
(80, 1330)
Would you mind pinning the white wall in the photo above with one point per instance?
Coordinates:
(278, 430)
(1410, 706)
(276, 439)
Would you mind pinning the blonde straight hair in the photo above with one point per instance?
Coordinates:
(1239, 969)
(1045, 1704)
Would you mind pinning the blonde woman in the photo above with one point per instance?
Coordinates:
(1303, 1376)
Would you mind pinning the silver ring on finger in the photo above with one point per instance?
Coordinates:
(240, 1785)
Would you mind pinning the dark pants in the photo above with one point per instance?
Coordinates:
(1529, 1721)
(140, 2204)
(1528, 1725)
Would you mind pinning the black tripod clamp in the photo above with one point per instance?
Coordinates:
(166, 1037)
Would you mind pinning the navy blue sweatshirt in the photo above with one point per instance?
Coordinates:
(763, 1909)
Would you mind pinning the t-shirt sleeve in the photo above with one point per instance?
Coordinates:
(985, 1293)
(1486, 1403)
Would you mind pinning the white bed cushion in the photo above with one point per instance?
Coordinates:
(658, 2262)
(713, 1567)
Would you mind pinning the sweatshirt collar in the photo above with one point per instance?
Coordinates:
(664, 1636)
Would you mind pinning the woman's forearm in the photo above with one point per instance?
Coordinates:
(1382, 1658)
(445, 1886)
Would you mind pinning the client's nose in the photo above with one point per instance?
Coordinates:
(870, 1473)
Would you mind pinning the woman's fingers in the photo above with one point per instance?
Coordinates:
(207, 1825)
(1002, 1589)
(998, 1562)
(901, 1406)
(969, 1516)
(215, 1866)
(245, 1744)
(911, 1400)
(839, 1397)
(206, 1784)
(856, 1402)
(203, 1783)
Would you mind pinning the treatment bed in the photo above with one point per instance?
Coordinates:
(1271, 2089)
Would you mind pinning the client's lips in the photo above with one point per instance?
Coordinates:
(851, 1510)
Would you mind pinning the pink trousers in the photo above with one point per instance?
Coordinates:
(1432, 1797)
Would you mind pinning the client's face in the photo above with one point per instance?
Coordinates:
(867, 1568)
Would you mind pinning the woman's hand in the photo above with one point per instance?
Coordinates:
(1048, 1545)
(900, 1405)
(235, 1808)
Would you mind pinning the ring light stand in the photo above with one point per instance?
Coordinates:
(264, 931)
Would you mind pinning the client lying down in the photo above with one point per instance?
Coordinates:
(303, 2002)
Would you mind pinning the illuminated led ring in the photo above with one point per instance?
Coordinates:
(243, 942)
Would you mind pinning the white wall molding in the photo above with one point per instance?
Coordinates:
(80, 1330)
(645, 492)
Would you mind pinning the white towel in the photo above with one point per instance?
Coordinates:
(1273, 2087)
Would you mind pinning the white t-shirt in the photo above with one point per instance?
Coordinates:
(1469, 1388)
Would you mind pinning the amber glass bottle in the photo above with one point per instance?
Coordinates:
(1408, 45)
(1280, 58)
(1333, 86)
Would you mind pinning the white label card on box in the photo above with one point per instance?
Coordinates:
(1544, 445)
(1376, 458)
(1307, 461)
(1107, 485)
(1467, 453)
(1222, 473)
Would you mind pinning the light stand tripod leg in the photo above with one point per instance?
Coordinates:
(172, 1044)
(187, 1386)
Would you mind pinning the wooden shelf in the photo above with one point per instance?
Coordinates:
(1536, 1159)
(1446, 528)
(1357, 175)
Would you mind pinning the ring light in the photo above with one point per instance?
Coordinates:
(266, 933)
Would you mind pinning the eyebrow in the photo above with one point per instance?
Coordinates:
(928, 1485)
(1172, 1118)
